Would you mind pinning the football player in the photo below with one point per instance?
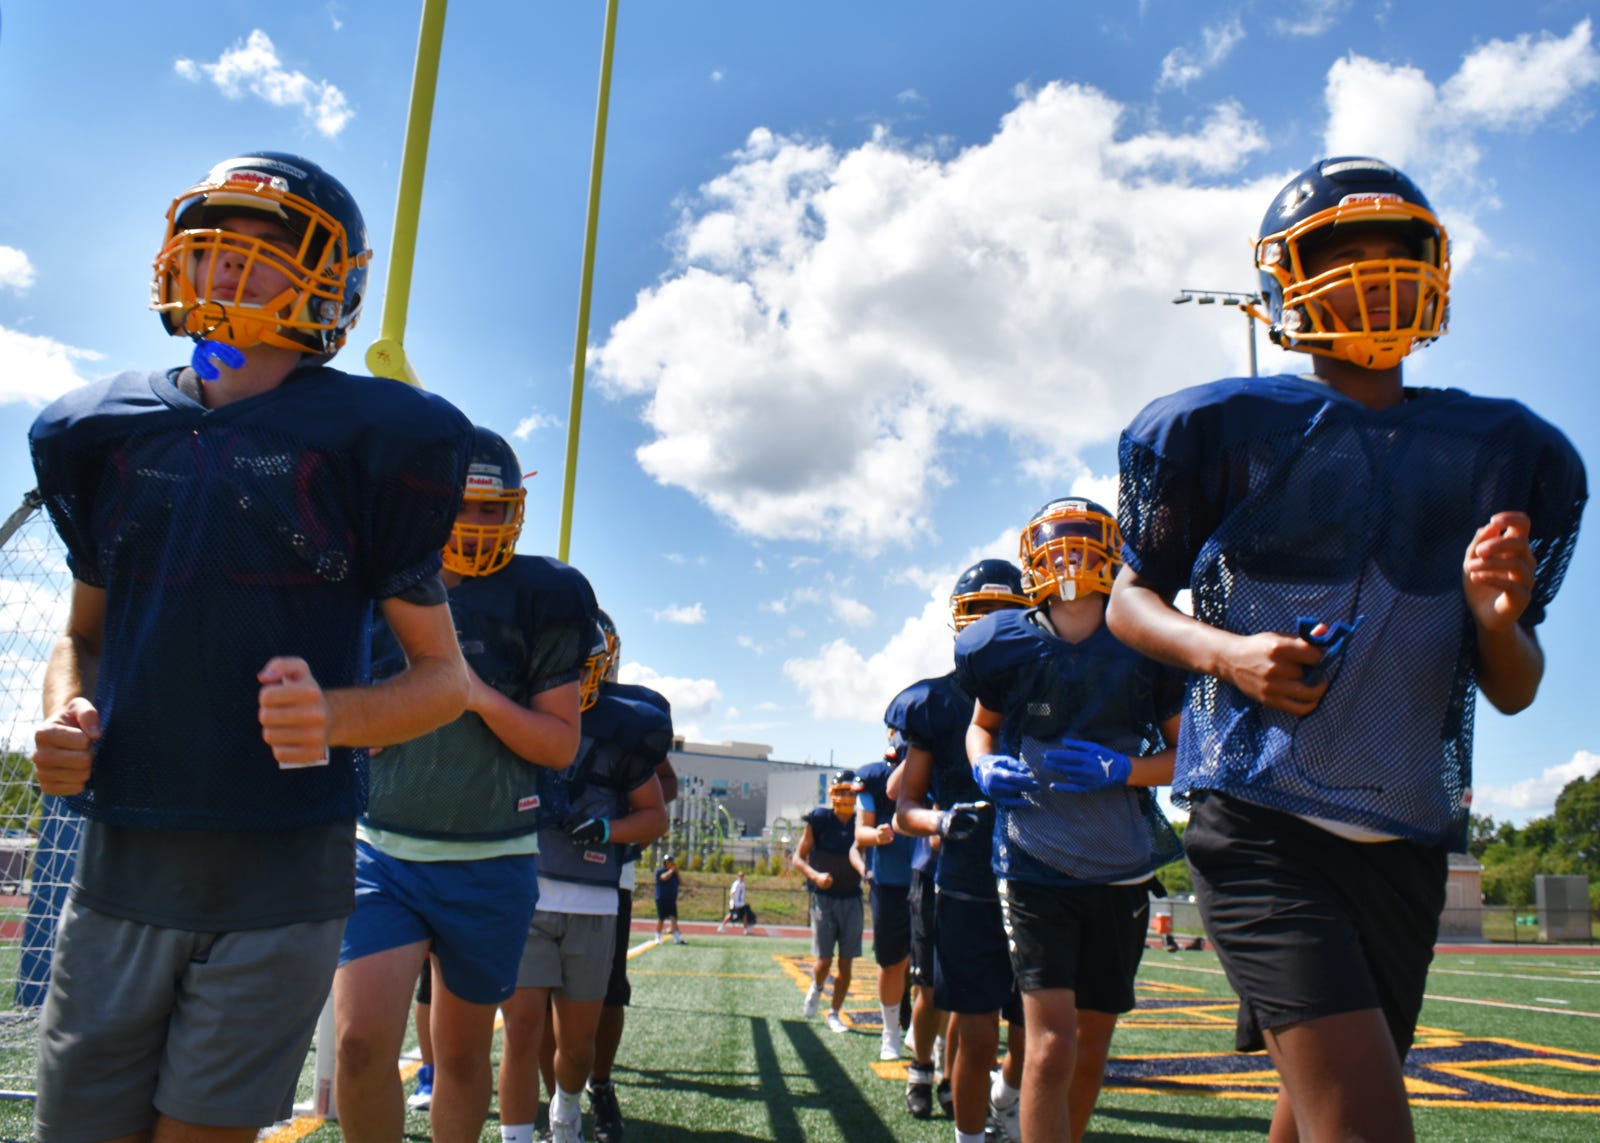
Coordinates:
(1362, 558)
(611, 801)
(445, 852)
(230, 526)
(888, 855)
(827, 857)
(1069, 731)
(971, 969)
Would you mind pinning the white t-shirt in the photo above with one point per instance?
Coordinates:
(736, 895)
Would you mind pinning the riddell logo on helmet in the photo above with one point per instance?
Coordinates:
(1370, 196)
(484, 482)
(260, 179)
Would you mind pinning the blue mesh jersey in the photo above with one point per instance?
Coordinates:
(624, 740)
(1277, 498)
(890, 864)
(1046, 690)
(225, 537)
(830, 852)
(933, 715)
(525, 629)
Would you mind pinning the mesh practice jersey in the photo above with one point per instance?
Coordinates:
(1046, 690)
(1277, 498)
(624, 740)
(526, 629)
(225, 537)
(933, 715)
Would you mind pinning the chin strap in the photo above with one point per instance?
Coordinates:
(206, 352)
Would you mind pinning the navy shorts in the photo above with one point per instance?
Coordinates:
(666, 909)
(1310, 924)
(475, 914)
(1089, 938)
(891, 923)
(618, 989)
(971, 966)
(921, 904)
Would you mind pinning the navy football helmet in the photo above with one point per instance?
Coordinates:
(493, 476)
(601, 665)
(1071, 547)
(1348, 194)
(301, 289)
(988, 585)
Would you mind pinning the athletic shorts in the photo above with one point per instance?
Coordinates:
(569, 953)
(618, 989)
(891, 923)
(920, 903)
(971, 965)
(666, 910)
(1088, 938)
(474, 914)
(1309, 924)
(207, 1028)
(835, 921)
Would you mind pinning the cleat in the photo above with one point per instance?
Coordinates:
(606, 1114)
(919, 1091)
(835, 1024)
(421, 1098)
(947, 1098)
(566, 1130)
(1006, 1118)
(889, 1044)
(813, 1002)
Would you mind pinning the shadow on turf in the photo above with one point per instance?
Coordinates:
(1183, 1127)
(836, 1092)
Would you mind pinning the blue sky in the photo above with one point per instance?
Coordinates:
(874, 281)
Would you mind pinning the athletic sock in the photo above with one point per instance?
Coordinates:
(1002, 1094)
(516, 1133)
(891, 1016)
(969, 1136)
(564, 1105)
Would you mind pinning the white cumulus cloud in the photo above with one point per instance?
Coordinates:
(16, 271)
(1534, 797)
(687, 616)
(693, 700)
(1183, 65)
(38, 369)
(253, 68)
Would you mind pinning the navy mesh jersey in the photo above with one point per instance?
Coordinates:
(624, 740)
(1047, 690)
(525, 629)
(225, 537)
(933, 715)
(1275, 498)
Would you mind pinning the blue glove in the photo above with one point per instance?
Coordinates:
(588, 831)
(1081, 766)
(962, 820)
(1006, 780)
(1333, 641)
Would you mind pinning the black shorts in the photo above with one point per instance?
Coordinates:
(665, 909)
(618, 990)
(1088, 938)
(1309, 924)
(920, 903)
(971, 968)
(891, 923)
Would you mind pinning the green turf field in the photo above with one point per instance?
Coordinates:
(716, 1049)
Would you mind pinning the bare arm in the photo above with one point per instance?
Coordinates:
(63, 743)
(646, 819)
(984, 730)
(668, 778)
(868, 832)
(1497, 578)
(545, 732)
(859, 861)
(801, 861)
(1267, 667)
(912, 814)
(1156, 769)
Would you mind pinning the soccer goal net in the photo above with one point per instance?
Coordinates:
(38, 835)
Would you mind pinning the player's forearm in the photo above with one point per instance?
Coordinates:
(430, 692)
(1144, 619)
(1152, 769)
(640, 827)
(866, 835)
(71, 672)
(537, 736)
(1510, 666)
(915, 820)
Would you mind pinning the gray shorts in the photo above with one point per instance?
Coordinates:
(206, 1028)
(835, 921)
(569, 953)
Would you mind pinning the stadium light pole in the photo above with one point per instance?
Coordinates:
(580, 351)
(1227, 298)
